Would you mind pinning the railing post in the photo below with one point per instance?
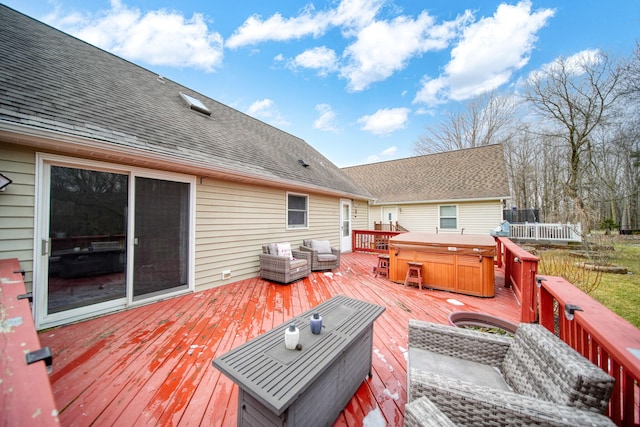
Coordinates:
(546, 315)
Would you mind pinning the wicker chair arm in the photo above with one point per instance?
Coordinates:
(423, 413)
(457, 342)
(302, 255)
(275, 260)
(467, 404)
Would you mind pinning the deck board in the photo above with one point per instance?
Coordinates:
(152, 365)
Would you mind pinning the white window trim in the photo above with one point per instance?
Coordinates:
(457, 217)
(287, 226)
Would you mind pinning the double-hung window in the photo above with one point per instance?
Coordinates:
(448, 217)
(297, 210)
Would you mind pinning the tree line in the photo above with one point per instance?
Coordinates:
(571, 134)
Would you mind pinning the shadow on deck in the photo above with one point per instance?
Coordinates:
(152, 364)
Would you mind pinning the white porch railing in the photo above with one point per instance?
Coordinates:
(553, 232)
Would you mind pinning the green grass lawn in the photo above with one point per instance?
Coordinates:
(619, 292)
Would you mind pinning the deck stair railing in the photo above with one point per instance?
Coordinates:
(547, 232)
(520, 270)
(371, 240)
(388, 226)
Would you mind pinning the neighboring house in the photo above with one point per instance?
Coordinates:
(460, 191)
(118, 170)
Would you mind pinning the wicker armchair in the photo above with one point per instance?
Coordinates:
(468, 373)
(323, 256)
(461, 407)
(282, 269)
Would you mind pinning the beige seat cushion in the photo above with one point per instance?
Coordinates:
(460, 369)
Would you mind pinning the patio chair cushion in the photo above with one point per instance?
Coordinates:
(323, 256)
(457, 368)
(322, 246)
(327, 257)
(284, 249)
(297, 263)
(541, 365)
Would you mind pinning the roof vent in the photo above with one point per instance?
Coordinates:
(303, 163)
(195, 104)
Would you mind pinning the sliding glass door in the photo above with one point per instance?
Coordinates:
(161, 242)
(109, 237)
(88, 231)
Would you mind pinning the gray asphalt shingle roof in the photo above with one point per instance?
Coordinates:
(54, 82)
(474, 173)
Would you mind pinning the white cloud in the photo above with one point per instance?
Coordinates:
(158, 37)
(389, 151)
(385, 121)
(321, 58)
(574, 64)
(276, 28)
(384, 47)
(380, 49)
(266, 110)
(309, 22)
(327, 119)
(490, 51)
(384, 154)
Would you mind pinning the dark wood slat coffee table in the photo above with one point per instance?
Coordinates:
(283, 387)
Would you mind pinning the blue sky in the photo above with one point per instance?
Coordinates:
(359, 80)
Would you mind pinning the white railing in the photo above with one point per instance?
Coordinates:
(554, 232)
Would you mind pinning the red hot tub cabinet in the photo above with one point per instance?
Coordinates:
(450, 262)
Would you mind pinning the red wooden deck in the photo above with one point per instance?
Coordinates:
(152, 365)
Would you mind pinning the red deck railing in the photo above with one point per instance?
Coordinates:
(371, 240)
(26, 398)
(594, 331)
(601, 336)
(520, 270)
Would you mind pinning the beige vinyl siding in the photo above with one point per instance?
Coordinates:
(375, 214)
(474, 217)
(360, 215)
(479, 217)
(234, 220)
(17, 207)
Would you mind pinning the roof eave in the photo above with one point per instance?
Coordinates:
(45, 139)
(463, 200)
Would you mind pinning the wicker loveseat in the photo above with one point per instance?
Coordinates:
(480, 378)
(281, 268)
(323, 256)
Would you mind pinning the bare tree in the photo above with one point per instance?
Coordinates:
(484, 120)
(573, 97)
(631, 82)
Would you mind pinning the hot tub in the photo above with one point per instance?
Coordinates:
(450, 262)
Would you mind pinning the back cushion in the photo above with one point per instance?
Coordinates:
(284, 249)
(322, 246)
(540, 365)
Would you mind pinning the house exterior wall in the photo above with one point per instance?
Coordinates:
(233, 220)
(360, 215)
(375, 214)
(474, 217)
(17, 207)
(480, 217)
